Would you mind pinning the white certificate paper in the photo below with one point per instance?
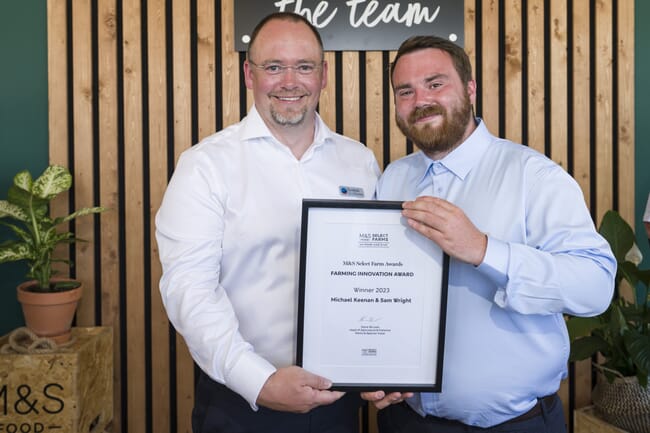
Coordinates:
(372, 298)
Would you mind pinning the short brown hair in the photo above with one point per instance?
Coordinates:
(458, 55)
(283, 16)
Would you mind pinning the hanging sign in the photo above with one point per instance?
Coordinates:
(359, 25)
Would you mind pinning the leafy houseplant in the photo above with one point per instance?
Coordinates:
(622, 333)
(26, 213)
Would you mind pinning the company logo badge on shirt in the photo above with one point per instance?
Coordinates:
(351, 191)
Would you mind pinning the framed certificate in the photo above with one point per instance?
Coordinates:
(372, 298)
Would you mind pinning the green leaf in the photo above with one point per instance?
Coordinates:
(54, 180)
(629, 271)
(25, 199)
(585, 347)
(64, 237)
(639, 347)
(20, 232)
(61, 286)
(11, 210)
(618, 233)
(582, 326)
(23, 180)
(14, 251)
(82, 212)
(618, 321)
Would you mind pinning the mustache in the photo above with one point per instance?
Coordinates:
(429, 110)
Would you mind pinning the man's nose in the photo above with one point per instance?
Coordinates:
(424, 97)
(288, 75)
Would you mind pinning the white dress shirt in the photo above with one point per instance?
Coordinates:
(228, 232)
(506, 341)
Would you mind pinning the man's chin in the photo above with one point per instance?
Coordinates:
(426, 129)
(289, 119)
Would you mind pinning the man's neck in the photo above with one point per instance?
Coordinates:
(297, 138)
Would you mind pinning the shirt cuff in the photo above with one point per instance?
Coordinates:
(495, 263)
(248, 376)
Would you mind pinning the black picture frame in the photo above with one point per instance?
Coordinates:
(372, 298)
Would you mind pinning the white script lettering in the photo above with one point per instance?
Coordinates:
(313, 17)
(415, 14)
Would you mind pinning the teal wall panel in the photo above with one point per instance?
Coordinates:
(642, 126)
(23, 119)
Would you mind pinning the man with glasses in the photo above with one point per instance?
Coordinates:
(228, 231)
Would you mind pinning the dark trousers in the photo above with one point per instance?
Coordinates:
(400, 418)
(217, 409)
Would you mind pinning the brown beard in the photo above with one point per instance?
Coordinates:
(443, 138)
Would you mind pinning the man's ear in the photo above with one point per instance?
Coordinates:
(248, 75)
(471, 91)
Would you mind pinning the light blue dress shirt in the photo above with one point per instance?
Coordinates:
(506, 340)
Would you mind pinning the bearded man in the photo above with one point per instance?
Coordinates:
(523, 248)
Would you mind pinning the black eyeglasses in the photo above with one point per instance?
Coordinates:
(305, 68)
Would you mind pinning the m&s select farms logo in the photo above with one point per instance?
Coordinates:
(374, 240)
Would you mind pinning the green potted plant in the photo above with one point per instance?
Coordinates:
(26, 213)
(619, 339)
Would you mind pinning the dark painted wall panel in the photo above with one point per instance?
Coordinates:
(23, 119)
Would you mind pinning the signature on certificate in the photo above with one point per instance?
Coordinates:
(369, 319)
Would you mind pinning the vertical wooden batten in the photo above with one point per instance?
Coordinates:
(604, 94)
(535, 133)
(158, 145)
(108, 180)
(134, 154)
(624, 108)
(558, 110)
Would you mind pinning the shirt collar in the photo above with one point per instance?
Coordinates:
(254, 127)
(460, 160)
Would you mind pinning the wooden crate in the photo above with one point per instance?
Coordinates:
(585, 420)
(69, 390)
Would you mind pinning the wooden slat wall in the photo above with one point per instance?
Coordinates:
(132, 83)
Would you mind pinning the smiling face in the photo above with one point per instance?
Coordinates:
(432, 106)
(288, 99)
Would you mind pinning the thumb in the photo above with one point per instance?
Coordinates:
(318, 382)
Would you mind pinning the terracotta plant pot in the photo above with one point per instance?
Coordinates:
(49, 314)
